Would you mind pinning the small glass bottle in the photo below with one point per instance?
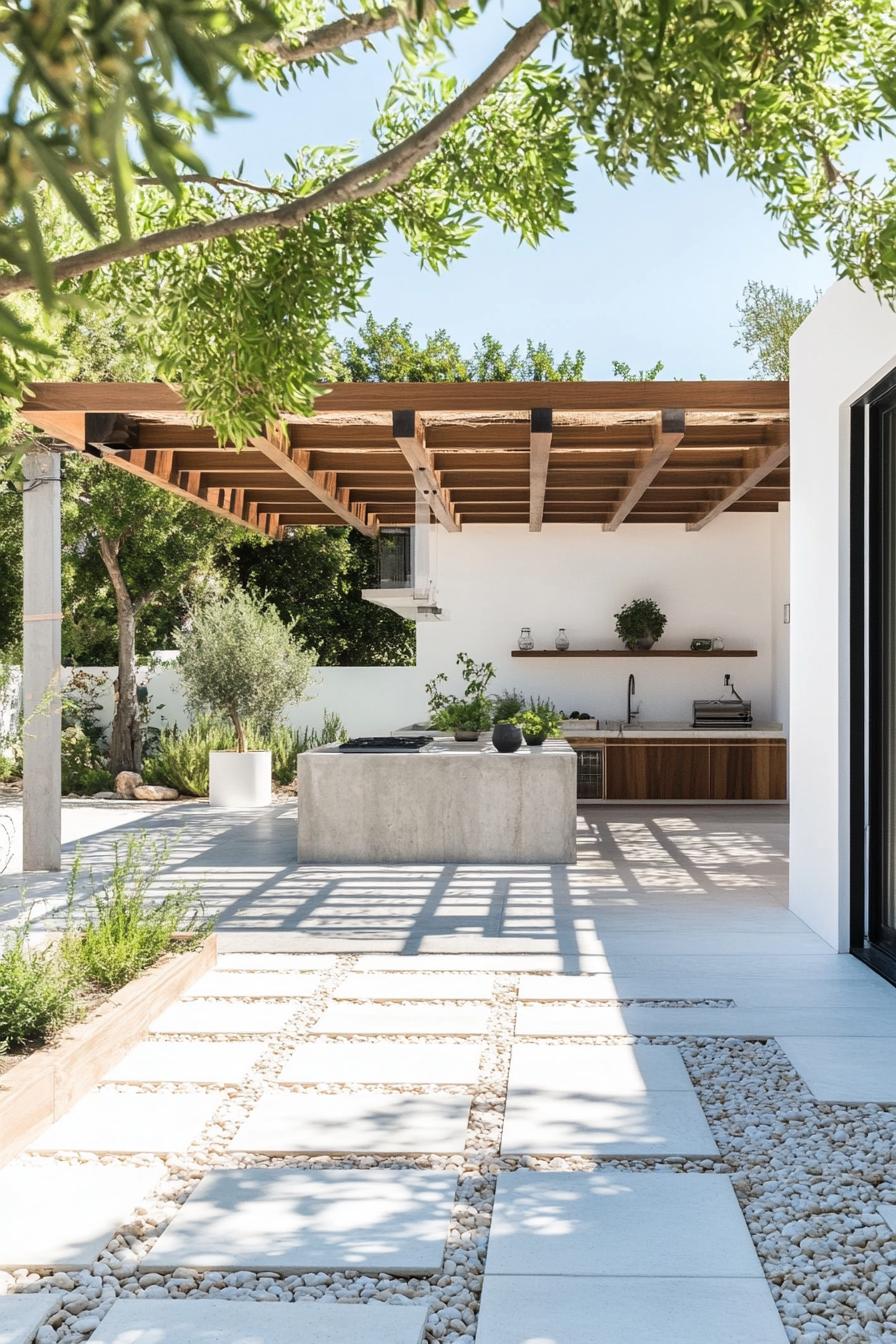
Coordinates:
(561, 643)
(525, 640)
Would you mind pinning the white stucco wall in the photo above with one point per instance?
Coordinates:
(843, 348)
(494, 579)
(727, 580)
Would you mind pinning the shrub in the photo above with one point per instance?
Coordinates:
(239, 659)
(127, 928)
(181, 756)
(84, 769)
(471, 712)
(37, 993)
(10, 759)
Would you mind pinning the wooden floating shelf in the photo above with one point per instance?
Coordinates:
(633, 653)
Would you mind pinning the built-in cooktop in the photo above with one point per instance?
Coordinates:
(373, 746)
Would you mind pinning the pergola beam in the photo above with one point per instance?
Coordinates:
(760, 462)
(410, 435)
(668, 432)
(323, 485)
(541, 431)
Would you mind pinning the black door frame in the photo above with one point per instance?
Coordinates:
(865, 680)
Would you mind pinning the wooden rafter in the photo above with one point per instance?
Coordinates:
(759, 463)
(478, 452)
(668, 432)
(410, 435)
(323, 485)
(541, 429)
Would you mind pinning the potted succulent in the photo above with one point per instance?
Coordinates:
(238, 659)
(640, 623)
(467, 715)
(541, 720)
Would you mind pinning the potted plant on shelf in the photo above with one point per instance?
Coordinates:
(238, 659)
(640, 623)
(467, 715)
(541, 720)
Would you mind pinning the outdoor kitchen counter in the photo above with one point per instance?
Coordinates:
(609, 728)
(452, 802)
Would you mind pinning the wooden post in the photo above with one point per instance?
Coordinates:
(41, 640)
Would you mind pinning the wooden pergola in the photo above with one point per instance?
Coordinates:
(607, 453)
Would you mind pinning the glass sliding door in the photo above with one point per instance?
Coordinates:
(873, 678)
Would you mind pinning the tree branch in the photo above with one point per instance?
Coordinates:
(333, 36)
(219, 184)
(380, 173)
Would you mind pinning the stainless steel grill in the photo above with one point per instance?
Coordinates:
(728, 713)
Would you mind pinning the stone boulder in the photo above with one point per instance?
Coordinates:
(155, 793)
(126, 781)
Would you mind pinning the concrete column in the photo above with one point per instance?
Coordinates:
(42, 621)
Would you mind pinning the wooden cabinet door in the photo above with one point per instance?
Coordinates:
(749, 770)
(651, 771)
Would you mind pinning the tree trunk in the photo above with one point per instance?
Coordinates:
(126, 739)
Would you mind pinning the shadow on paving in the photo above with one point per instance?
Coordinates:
(675, 874)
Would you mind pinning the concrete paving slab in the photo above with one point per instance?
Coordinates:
(390, 1019)
(144, 1321)
(545, 1019)
(255, 985)
(210, 1017)
(22, 1315)
(272, 961)
(354, 1122)
(777, 991)
(619, 1223)
(160, 1061)
(624, 1101)
(65, 1214)
(397, 985)
(538, 1309)
(846, 1069)
(384, 1219)
(109, 1121)
(395, 1062)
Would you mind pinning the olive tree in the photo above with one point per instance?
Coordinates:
(240, 660)
(236, 283)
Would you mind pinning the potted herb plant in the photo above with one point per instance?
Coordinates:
(240, 660)
(540, 721)
(467, 715)
(640, 623)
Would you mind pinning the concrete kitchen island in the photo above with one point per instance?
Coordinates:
(452, 802)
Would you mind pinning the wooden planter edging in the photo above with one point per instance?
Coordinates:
(44, 1086)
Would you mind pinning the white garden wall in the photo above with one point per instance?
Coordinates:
(728, 580)
(845, 346)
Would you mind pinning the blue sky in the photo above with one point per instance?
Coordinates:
(652, 272)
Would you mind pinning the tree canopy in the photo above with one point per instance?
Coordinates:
(767, 317)
(235, 285)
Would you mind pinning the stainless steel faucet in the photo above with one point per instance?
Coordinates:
(631, 713)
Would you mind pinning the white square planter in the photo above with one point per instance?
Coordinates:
(239, 778)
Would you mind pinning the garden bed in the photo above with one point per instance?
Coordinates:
(39, 1088)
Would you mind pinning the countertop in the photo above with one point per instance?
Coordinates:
(443, 745)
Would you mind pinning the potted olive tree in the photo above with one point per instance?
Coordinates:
(240, 660)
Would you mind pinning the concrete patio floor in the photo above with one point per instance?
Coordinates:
(649, 880)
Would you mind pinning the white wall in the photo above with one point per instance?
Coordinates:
(843, 348)
(780, 631)
(493, 579)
